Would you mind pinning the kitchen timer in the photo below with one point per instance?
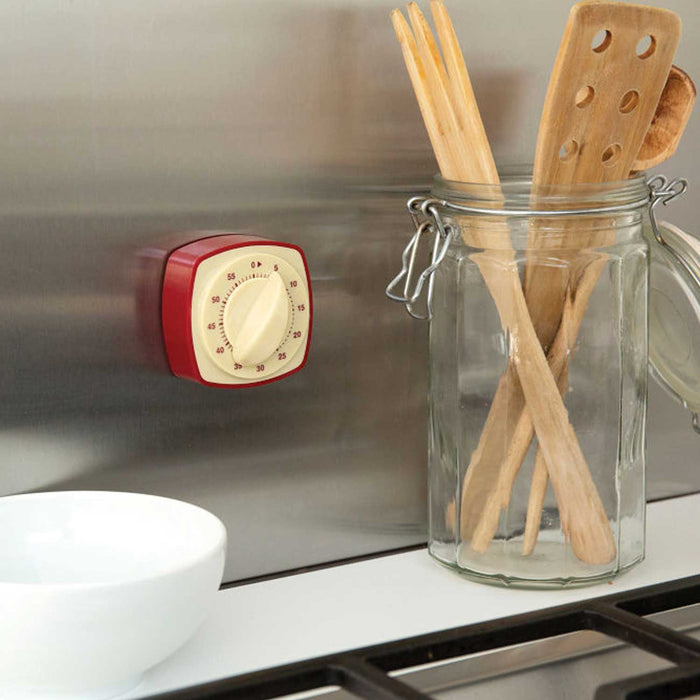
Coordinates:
(236, 310)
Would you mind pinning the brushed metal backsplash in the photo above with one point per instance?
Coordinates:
(120, 122)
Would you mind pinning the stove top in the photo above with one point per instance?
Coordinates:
(635, 644)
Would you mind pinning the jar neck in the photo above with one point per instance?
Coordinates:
(532, 215)
(516, 192)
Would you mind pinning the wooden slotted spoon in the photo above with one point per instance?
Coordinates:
(607, 83)
(602, 96)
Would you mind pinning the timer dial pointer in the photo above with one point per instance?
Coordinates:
(256, 317)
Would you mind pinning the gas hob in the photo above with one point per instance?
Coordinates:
(648, 632)
(400, 626)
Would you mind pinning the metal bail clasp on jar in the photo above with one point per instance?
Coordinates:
(432, 224)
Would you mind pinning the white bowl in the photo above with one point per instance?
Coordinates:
(96, 587)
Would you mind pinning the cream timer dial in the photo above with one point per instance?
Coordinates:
(252, 314)
(250, 311)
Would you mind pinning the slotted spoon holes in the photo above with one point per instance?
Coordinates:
(611, 155)
(646, 46)
(601, 40)
(629, 102)
(568, 150)
(584, 96)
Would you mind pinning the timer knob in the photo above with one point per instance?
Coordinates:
(256, 317)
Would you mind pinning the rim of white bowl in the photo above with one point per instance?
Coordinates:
(220, 542)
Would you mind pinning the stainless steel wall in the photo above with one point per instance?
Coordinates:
(120, 122)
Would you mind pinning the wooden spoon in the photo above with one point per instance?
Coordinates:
(667, 126)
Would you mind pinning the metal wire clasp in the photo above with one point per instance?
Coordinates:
(426, 220)
(663, 191)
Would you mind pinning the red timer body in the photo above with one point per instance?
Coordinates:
(236, 310)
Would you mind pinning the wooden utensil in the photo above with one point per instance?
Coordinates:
(603, 92)
(624, 55)
(667, 126)
(583, 516)
(608, 76)
(462, 95)
(662, 138)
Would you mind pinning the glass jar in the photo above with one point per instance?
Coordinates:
(539, 301)
(538, 297)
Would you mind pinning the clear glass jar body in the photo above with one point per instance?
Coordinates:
(539, 480)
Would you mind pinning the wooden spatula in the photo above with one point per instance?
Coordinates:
(660, 142)
(608, 76)
(662, 138)
(608, 79)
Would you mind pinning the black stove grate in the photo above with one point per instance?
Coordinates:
(363, 672)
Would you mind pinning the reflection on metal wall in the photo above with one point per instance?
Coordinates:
(122, 121)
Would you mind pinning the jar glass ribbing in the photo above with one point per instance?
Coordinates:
(501, 503)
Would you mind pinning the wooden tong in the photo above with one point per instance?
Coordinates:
(456, 136)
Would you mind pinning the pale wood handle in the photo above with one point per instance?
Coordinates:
(583, 516)
(561, 349)
(535, 504)
(538, 486)
(521, 436)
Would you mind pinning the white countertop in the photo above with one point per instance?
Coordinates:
(298, 617)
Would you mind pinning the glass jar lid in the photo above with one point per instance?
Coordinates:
(674, 315)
